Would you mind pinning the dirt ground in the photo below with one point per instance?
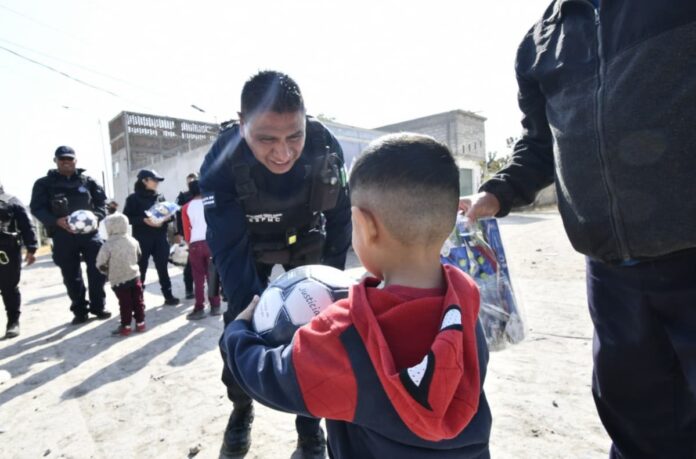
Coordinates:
(77, 392)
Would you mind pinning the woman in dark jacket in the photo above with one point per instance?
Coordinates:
(151, 234)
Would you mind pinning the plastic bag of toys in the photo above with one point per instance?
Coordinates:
(162, 211)
(477, 249)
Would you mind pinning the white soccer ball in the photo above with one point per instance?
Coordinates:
(83, 221)
(295, 298)
(162, 210)
(178, 254)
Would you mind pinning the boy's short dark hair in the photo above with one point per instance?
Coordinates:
(411, 182)
(271, 91)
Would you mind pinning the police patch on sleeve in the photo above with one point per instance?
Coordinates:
(209, 201)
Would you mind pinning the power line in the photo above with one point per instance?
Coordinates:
(60, 72)
(80, 66)
(43, 24)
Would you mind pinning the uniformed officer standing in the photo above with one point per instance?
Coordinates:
(54, 197)
(150, 233)
(274, 193)
(15, 227)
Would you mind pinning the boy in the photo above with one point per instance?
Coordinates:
(194, 228)
(118, 259)
(397, 370)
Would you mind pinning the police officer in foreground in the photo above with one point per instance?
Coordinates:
(54, 197)
(274, 193)
(15, 227)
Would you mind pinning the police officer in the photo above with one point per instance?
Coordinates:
(274, 193)
(15, 227)
(181, 200)
(54, 197)
(151, 234)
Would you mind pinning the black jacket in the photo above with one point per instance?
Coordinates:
(19, 222)
(80, 189)
(228, 235)
(608, 100)
(136, 205)
(183, 198)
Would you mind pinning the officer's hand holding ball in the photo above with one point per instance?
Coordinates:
(63, 223)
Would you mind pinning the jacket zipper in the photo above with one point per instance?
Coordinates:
(623, 251)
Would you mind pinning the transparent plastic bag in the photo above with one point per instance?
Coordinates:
(477, 249)
(162, 211)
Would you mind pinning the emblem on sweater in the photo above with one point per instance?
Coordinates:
(264, 218)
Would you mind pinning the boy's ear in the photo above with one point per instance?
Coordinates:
(365, 223)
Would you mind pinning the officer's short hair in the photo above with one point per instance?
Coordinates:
(411, 183)
(271, 91)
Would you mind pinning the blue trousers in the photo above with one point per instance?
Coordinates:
(68, 252)
(644, 381)
(155, 245)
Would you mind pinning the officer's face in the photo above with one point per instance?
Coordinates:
(276, 139)
(66, 165)
(151, 184)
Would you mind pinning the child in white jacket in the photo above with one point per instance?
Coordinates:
(118, 259)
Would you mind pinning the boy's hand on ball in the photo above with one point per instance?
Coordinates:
(248, 313)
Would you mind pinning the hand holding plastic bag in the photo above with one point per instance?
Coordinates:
(477, 249)
(161, 212)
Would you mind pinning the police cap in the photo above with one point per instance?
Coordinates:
(149, 173)
(64, 152)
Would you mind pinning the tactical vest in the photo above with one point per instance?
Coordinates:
(7, 217)
(9, 238)
(289, 230)
(71, 195)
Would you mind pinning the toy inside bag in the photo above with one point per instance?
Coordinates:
(477, 249)
(162, 211)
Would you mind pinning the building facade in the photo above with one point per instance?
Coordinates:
(465, 135)
(173, 147)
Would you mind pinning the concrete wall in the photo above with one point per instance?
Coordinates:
(463, 132)
(174, 170)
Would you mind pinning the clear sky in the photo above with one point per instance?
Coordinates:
(365, 63)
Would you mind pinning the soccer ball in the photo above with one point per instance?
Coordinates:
(83, 221)
(161, 211)
(294, 298)
(178, 254)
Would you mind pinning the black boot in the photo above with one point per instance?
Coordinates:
(312, 446)
(237, 439)
(171, 300)
(12, 329)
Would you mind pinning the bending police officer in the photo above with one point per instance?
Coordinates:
(54, 197)
(274, 193)
(15, 227)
